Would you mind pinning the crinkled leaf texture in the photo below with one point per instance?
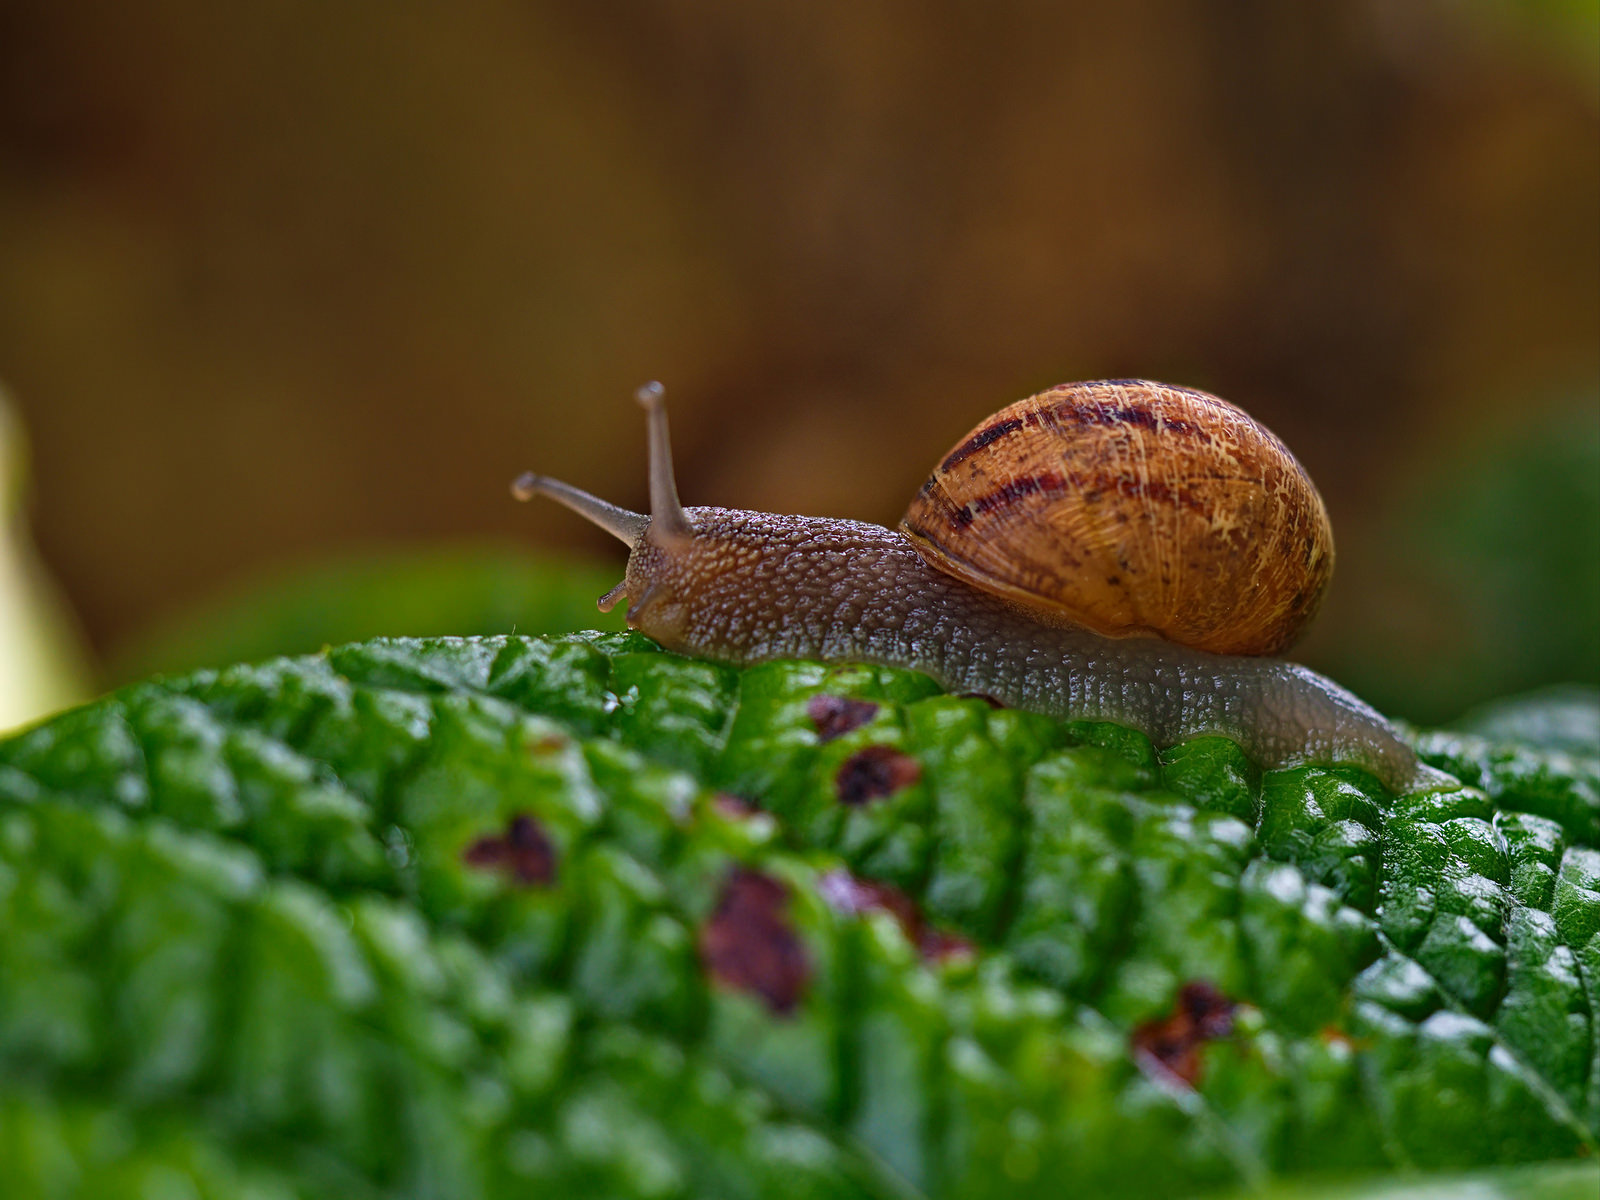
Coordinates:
(512, 916)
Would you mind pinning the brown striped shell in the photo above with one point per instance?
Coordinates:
(1133, 508)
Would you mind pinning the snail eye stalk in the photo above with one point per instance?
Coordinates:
(667, 518)
(666, 522)
(621, 523)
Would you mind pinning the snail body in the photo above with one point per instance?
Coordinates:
(747, 587)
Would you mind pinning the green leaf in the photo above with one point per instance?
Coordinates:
(504, 916)
(299, 610)
(1544, 1181)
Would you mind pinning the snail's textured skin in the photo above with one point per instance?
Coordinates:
(1134, 507)
(751, 587)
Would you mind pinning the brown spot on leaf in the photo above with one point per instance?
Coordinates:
(873, 772)
(547, 743)
(939, 944)
(1172, 1044)
(1332, 1035)
(750, 944)
(846, 893)
(522, 852)
(991, 701)
(835, 716)
(730, 805)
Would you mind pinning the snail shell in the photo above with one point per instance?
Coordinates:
(1133, 508)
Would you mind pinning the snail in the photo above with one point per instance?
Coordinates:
(1121, 550)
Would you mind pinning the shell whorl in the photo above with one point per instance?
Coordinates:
(1133, 508)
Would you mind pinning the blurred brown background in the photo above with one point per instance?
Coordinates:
(281, 282)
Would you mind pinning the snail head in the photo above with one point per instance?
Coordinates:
(666, 555)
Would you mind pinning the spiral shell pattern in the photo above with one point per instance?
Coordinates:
(1135, 509)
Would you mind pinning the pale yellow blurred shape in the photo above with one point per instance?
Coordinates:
(42, 666)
